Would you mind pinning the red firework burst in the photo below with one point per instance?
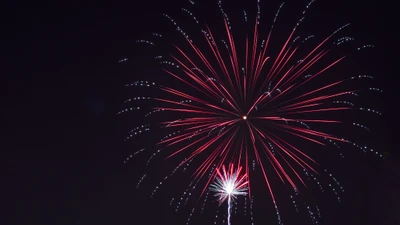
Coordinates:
(242, 105)
(242, 116)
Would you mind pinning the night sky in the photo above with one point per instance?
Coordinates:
(63, 142)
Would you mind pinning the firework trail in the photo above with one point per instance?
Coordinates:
(228, 185)
(239, 103)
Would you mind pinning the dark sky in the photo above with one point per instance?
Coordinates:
(63, 142)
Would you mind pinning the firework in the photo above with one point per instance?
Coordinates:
(240, 104)
(228, 185)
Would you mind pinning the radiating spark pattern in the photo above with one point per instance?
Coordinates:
(238, 102)
(228, 185)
